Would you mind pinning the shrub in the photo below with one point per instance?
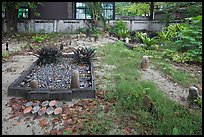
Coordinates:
(190, 40)
(83, 54)
(48, 55)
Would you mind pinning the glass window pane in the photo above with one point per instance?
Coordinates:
(80, 13)
(108, 14)
(22, 13)
(80, 5)
(107, 5)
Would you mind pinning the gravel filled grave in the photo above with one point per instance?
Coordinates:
(58, 75)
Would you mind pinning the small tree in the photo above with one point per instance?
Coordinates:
(11, 9)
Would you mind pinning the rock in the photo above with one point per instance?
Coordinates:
(45, 103)
(53, 103)
(50, 110)
(42, 111)
(193, 95)
(35, 109)
(27, 110)
(34, 84)
(58, 110)
(145, 63)
(28, 104)
(59, 104)
(75, 79)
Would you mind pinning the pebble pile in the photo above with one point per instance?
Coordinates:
(58, 75)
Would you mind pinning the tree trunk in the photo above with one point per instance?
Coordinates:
(11, 17)
(151, 11)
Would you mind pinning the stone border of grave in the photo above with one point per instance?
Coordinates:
(46, 94)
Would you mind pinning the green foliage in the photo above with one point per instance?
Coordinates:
(132, 9)
(120, 29)
(48, 55)
(190, 41)
(120, 24)
(188, 9)
(175, 131)
(170, 32)
(148, 41)
(129, 93)
(39, 38)
(199, 101)
(67, 132)
(123, 33)
(5, 54)
(83, 54)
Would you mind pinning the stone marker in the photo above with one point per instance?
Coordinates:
(147, 102)
(75, 79)
(34, 84)
(127, 40)
(145, 63)
(193, 95)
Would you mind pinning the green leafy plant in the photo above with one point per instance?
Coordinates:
(170, 32)
(123, 33)
(199, 101)
(39, 38)
(83, 54)
(120, 29)
(144, 39)
(190, 41)
(48, 55)
(4, 54)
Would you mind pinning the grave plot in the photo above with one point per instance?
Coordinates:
(65, 79)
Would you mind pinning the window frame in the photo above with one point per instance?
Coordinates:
(23, 7)
(103, 10)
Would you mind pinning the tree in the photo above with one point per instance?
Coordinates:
(11, 9)
(95, 10)
(188, 9)
(151, 10)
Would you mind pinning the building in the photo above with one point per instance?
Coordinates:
(58, 16)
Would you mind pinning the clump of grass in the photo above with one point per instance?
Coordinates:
(129, 95)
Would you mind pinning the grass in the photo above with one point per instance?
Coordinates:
(128, 94)
(165, 66)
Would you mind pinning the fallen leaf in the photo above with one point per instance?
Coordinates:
(67, 123)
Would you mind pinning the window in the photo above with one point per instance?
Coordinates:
(23, 13)
(107, 10)
(82, 10)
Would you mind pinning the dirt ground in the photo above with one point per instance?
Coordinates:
(13, 69)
